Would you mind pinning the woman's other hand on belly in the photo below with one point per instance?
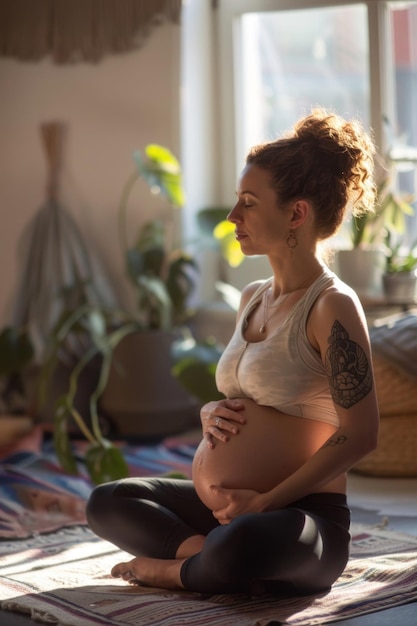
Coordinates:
(221, 419)
(237, 502)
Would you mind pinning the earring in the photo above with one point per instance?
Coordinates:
(291, 241)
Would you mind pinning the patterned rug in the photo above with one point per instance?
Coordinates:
(36, 496)
(63, 578)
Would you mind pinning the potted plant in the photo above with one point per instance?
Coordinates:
(400, 278)
(123, 345)
(162, 276)
(362, 265)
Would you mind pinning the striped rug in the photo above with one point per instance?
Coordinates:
(63, 578)
(37, 496)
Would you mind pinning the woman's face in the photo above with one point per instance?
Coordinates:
(261, 225)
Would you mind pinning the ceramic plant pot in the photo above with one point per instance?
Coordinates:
(142, 398)
(361, 269)
(400, 286)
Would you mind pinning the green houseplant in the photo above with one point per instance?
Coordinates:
(368, 230)
(400, 278)
(158, 269)
(162, 276)
(362, 265)
(158, 272)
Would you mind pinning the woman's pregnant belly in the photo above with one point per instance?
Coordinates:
(268, 448)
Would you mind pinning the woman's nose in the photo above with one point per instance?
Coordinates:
(233, 216)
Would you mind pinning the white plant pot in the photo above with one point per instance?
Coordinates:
(400, 287)
(361, 269)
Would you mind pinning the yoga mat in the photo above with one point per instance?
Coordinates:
(63, 578)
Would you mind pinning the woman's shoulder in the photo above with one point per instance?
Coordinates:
(338, 301)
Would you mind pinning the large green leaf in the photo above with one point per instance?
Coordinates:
(154, 302)
(151, 235)
(209, 217)
(195, 366)
(180, 283)
(105, 462)
(162, 171)
(198, 378)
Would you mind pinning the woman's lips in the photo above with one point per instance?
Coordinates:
(240, 236)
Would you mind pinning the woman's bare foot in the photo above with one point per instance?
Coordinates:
(142, 570)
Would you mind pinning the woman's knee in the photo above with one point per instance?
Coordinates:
(99, 504)
(231, 548)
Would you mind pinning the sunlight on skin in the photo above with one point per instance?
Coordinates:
(142, 570)
(159, 572)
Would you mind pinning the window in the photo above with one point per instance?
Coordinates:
(279, 59)
(293, 60)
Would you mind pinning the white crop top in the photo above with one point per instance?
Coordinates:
(282, 371)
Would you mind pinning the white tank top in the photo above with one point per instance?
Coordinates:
(282, 371)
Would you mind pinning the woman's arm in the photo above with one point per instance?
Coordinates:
(337, 329)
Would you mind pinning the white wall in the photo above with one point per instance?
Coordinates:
(111, 109)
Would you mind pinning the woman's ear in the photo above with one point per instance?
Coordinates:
(300, 212)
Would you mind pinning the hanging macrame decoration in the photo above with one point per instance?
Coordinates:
(71, 31)
(58, 271)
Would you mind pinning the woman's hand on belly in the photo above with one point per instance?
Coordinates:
(220, 419)
(238, 502)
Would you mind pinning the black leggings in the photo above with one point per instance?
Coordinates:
(300, 549)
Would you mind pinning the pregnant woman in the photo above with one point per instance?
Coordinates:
(266, 508)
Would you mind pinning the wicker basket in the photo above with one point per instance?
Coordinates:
(396, 453)
(396, 393)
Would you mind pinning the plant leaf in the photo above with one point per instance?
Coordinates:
(230, 247)
(208, 218)
(198, 378)
(61, 439)
(195, 367)
(161, 170)
(231, 295)
(154, 303)
(105, 462)
(180, 284)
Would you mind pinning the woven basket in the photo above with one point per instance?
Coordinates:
(396, 393)
(396, 453)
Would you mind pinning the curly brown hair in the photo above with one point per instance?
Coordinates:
(325, 159)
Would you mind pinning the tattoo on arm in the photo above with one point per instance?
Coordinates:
(332, 443)
(347, 368)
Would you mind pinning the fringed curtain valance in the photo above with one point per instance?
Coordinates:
(71, 31)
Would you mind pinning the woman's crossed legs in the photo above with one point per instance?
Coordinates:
(177, 543)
